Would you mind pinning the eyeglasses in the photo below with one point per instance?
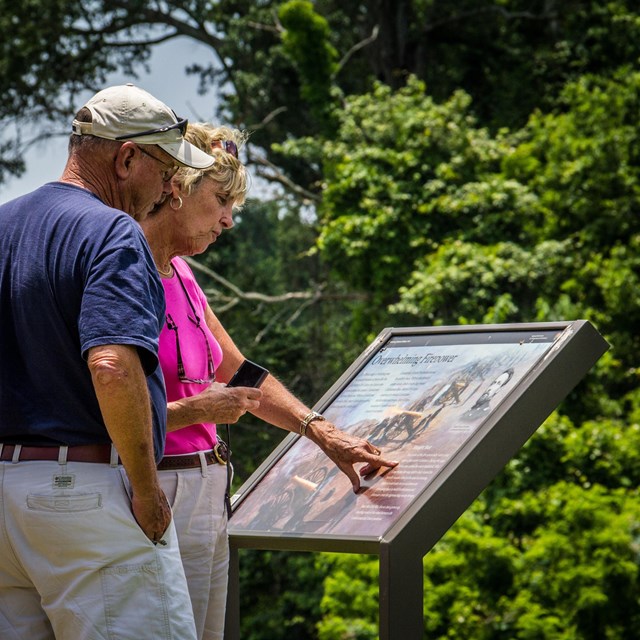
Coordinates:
(195, 319)
(181, 125)
(211, 371)
(167, 174)
(227, 145)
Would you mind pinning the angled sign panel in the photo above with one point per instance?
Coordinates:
(452, 404)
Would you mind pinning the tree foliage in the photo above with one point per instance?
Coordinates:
(274, 609)
(442, 221)
(278, 66)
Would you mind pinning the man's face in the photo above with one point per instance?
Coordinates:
(151, 180)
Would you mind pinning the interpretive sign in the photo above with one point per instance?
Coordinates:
(453, 405)
(422, 395)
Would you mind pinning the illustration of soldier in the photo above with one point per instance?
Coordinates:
(482, 406)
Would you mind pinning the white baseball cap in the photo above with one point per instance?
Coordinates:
(126, 112)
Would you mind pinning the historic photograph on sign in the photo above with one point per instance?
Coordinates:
(419, 398)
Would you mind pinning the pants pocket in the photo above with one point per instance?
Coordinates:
(129, 590)
(64, 503)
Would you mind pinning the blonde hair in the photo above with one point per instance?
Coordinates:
(227, 170)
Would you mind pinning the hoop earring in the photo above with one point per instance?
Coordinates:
(179, 201)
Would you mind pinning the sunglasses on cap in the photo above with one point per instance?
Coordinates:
(181, 125)
(227, 145)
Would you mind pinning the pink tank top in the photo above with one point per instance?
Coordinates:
(186, 302)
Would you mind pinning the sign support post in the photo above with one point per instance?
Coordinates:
(401, 590)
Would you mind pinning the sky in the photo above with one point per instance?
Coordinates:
(167, 81)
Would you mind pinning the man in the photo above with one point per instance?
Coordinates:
(87, 545)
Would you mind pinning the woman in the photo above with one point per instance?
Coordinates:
(197, 357)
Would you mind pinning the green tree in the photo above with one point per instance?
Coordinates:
(279, 66)
(443, 222)
(305, 42)
(406, 176)
(350, 597)
(535, 225)
(274, 609)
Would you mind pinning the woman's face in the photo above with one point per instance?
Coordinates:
(202, 218)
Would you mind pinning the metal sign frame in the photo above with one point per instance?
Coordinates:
(469, 470)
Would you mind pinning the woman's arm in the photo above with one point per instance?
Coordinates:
(282, 409)
(216, 403)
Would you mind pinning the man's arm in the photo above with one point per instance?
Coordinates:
(121, 389)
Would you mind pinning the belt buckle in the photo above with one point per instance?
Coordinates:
(218, 455)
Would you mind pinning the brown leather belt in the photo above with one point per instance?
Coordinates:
(219, 455)
(79, 453)
(101, 453)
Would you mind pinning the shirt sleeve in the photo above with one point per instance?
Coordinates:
(123, 300)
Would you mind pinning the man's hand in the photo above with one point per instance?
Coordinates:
(346, 450)
(121, 388)
(152, 513)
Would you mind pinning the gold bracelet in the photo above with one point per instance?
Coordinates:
(308, 419)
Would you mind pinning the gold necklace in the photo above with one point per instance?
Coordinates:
(168, 273)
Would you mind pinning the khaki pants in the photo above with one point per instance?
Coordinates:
(196, 497)
(75, 565)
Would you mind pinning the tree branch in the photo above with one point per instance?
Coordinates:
(267, 119)
(356, 47)
(307, 297)
(249, 295)
(280, 178)
(265, 27)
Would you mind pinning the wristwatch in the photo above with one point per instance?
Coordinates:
(308, 419)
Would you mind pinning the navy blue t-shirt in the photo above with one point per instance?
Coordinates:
(74, 274)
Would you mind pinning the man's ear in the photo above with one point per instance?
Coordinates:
(123, 162)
